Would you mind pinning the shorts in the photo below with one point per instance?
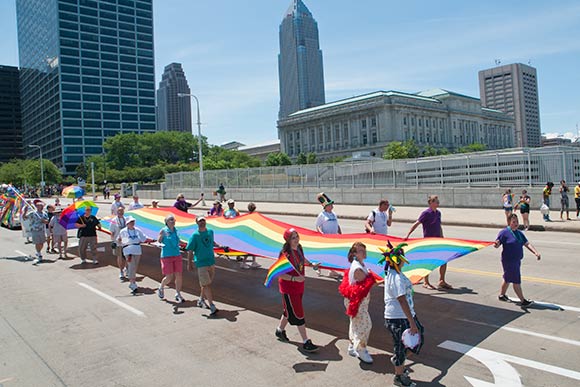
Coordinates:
(38, 237)
(524, 209)
(397, 326)
(205, 275)
(293, 309)
(59, 238)
(48, 233)
(565, 203)
(170, 265)
(508, 209)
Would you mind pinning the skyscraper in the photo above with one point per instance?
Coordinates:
(513, 89)
(87, 73)
(300, 70)
(10, 118)
(173, 112)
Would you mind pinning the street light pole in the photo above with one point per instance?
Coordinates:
(41, 169)
(201, 183)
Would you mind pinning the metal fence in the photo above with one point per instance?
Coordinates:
(514, 167)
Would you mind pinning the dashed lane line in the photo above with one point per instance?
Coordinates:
(526, 278)
(112, 299)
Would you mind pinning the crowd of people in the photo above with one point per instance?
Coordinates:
(356, 283)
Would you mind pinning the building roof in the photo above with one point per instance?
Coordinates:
(263, 144)
(298, 8)
(440, 92)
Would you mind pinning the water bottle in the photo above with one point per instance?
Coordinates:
(392, 209)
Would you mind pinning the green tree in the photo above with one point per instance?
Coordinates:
(31, 171)
(277, 159)
(395, 150)
(301, 159)
(311, 158)
(443, 151)
(428, 150)
(81, 171)
(475, 147)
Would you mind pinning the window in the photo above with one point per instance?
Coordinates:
(363, 124)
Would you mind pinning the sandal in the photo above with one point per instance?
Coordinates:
(445, 285)
(429, 286)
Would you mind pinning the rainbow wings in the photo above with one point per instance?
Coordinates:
(256, 234)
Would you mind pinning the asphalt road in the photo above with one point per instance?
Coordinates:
(63, 323)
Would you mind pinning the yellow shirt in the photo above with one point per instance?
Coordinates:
(577, 192)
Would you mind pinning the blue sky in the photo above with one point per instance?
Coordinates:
(229, 53)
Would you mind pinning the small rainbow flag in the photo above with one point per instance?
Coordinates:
(281, 266)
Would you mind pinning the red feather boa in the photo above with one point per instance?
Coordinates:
(355, 292)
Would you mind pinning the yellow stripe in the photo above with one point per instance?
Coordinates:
(531, 279)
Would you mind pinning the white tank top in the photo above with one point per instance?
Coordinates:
(353, 267)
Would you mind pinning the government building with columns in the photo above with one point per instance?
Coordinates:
(369, 122)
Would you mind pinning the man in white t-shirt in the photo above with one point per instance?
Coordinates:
(116, 204)
(135, 204)
(118, 223)
(380, 219)
(327, 223)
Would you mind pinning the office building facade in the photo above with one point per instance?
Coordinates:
(513, 89)
(368, 123)
(87, 73)
(173, 111)
(10, 117)
(300, 70)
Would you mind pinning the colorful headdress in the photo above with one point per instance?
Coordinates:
(324, 200)
(393, 256)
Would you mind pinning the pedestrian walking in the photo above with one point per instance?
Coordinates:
(327, 223)
(546, 192)
(87, 226)
(355, 288)
(564, 201)
(524, 206)
(59, 236)
(221, 191)
(49, 241)
(508, 203)
(577, 199)
(513, 242)
(291, 286)
(116, 204)
(118, 223)
(430, 219)
(400, 314)
(380, 219)
(25, 221)
(171, 262)
(37, 227)
(200, 246)
(131, 238)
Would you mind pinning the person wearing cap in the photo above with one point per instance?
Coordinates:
(430, 220)
(200, 246)
(231, 211)
(116, 204)
(49, 241)
(59, 236)
(400, 313)
(118, 223)
(182, 205)
(87, 224)
(216, 209)
(380, 219)
(38, 220)
(135, 204)
(131, 238)
(171, 262)
(291, 286)
(577, 199)
(327, 223)
(154, 204)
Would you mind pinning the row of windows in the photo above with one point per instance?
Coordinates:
(93, 68)
(111, 4)
(143, 48)
(95, 81)
(126, 126)
(110, 82)
(71, 56)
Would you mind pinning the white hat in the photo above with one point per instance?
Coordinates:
(130, 219)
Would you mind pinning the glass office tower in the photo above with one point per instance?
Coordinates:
(300, 69)
(87, 73)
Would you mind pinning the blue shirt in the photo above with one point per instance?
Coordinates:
(513, 242)
(171, 241)
(201, 243)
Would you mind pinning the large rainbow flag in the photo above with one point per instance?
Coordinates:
(256, 234)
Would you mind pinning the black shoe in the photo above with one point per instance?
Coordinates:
(525, 303)
(309, 347)
(281, 335)
(503, 297)
(403, 381)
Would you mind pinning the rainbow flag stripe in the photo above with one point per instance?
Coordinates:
(281, 266)
(256, 234)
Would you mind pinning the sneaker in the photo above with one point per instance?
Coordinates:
(281, 335)
(201, 304)
(308, 346)
(54, 251)
(36, 261)
(244, 265)
(178, 298)
(133, 286)
(351, 351)
(255, 265)
(525, 303)
(213, 310)
(403, 381)
(160, 293)
(121, 276)
(503, 297)
(83, 261)
(95, 262)
(364, 356)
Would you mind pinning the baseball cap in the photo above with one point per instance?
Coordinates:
(199, 218)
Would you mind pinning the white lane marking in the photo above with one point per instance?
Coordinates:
(548, 305)
(525, 332)
(112, 299)
(503, 375)
(227, 269)
(21, 253)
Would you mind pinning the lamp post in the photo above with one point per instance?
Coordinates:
(41, 169)
(199, 143)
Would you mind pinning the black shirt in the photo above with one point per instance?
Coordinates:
(91, 230)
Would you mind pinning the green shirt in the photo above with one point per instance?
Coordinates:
(201, 243)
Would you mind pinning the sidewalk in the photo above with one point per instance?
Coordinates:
(450, 216)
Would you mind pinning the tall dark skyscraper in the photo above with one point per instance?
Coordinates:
(300, 69)
(10, 118)
(87, 73)
(513, 89)
(173, 112)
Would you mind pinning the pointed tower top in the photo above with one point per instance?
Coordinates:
(298, 8)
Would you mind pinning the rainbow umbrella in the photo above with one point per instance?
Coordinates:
(71, 214)
(73, 191)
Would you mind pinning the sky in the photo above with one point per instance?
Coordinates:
(229, 51)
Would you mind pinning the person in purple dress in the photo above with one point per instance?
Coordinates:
(430, 219)
(513, 242)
